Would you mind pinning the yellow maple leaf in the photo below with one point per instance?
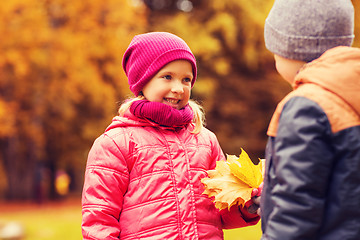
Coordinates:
(245, 170)
(232, 181)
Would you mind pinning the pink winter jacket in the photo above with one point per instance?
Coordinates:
(142, 181)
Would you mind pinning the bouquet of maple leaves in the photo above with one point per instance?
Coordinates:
(233, 180)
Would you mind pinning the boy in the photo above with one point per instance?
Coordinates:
(312, 181)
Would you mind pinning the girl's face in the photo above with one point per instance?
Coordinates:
(171, 85)
(288, 68)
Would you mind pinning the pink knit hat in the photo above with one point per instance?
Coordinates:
(149, 52)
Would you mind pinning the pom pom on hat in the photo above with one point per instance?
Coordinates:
(304, 29)
(149, 52)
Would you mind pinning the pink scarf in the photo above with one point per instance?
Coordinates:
(161, 113)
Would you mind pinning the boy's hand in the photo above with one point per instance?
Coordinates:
(253, 205)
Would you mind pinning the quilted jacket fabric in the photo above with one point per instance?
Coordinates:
(312, 183)
(142, 181)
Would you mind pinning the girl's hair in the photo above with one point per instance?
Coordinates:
(199, 114)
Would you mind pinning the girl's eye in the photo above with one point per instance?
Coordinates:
(187, 80)
(168, 77)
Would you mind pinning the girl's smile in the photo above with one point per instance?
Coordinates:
(172, 102)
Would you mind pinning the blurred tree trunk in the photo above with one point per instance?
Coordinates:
(20, 174)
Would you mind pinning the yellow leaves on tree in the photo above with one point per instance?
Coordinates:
(233, 180)
(60, 79)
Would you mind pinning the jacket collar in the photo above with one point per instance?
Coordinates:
(338, 71)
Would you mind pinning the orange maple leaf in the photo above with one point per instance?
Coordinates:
(232, 181)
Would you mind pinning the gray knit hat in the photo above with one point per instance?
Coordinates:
(305, 29)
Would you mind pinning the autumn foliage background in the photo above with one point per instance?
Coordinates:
(61, 79)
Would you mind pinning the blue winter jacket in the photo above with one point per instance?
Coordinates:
(312, 181)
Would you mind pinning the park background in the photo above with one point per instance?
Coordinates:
(61, 82)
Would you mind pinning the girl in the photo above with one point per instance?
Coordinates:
(142, 179)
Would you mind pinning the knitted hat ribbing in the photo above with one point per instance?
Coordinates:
(305, 29)
(149, 52)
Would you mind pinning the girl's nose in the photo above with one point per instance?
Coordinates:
(177, 87)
